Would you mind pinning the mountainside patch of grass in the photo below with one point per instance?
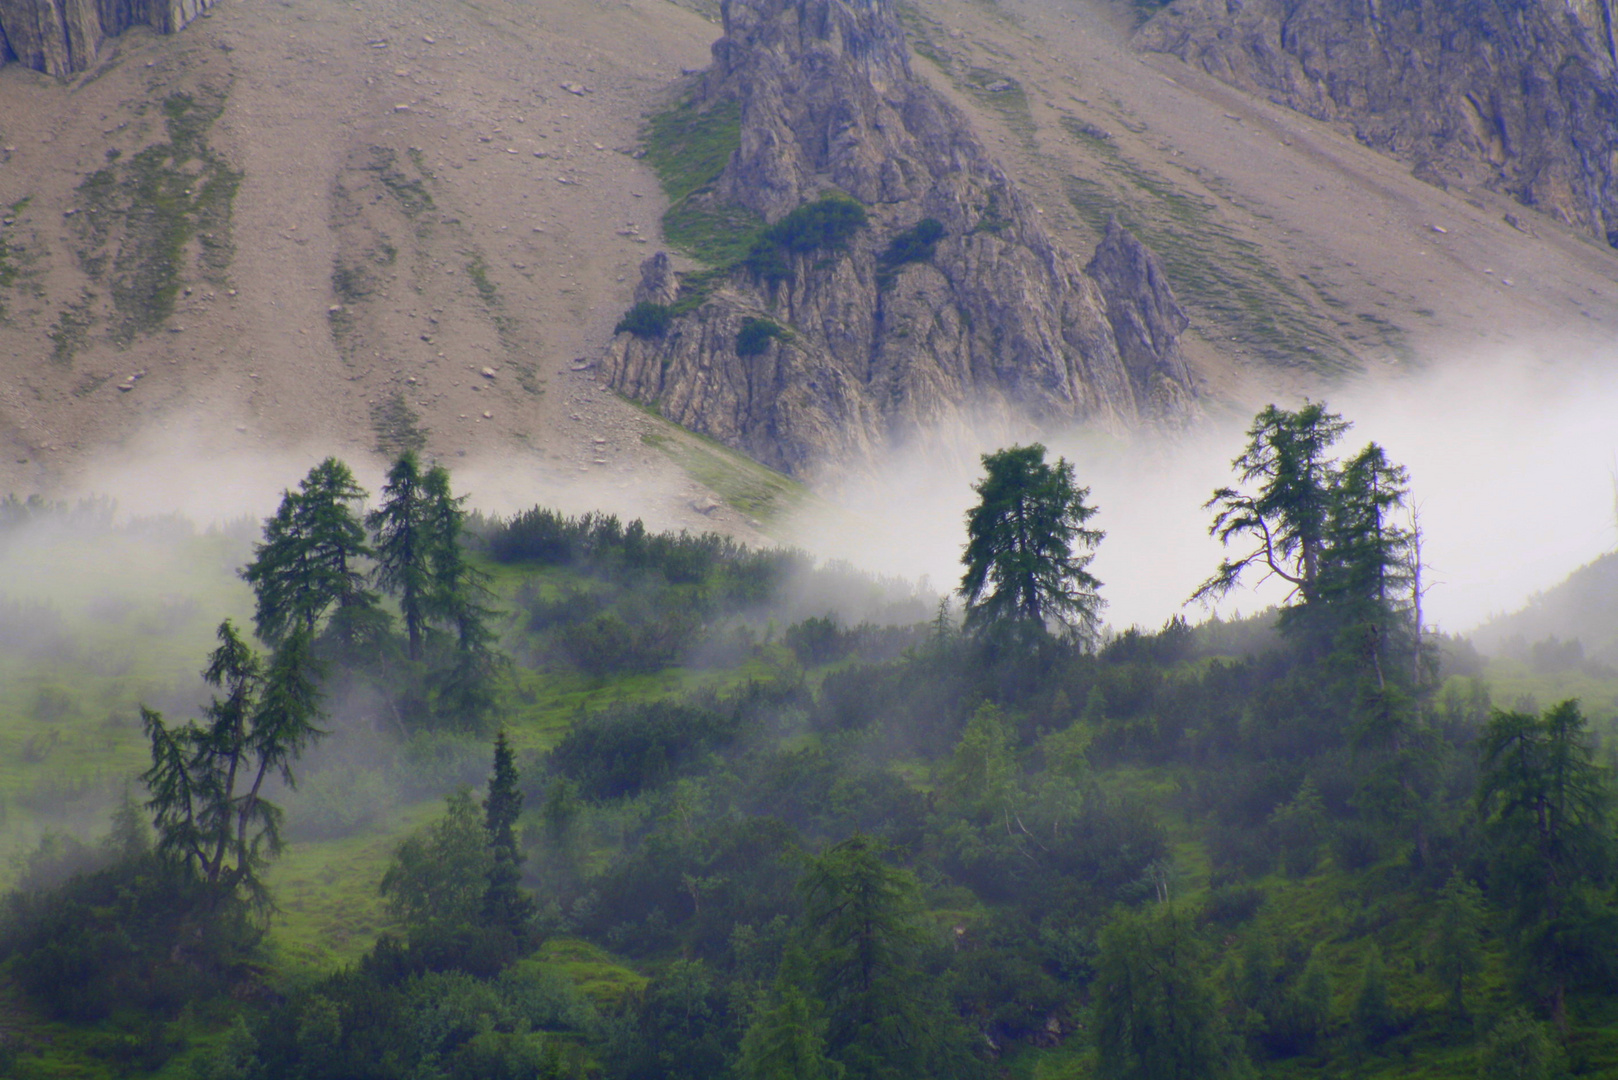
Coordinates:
(1220, 274)
(153, 219)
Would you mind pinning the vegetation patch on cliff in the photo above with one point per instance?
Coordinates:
(645, 320)
(915, 244)
(756, 334)
(826, 224)
(688, 147)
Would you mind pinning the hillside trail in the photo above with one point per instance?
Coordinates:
(440, 216)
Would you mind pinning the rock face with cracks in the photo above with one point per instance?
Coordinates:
(1515, 95)
(63, 37)
(951, 306)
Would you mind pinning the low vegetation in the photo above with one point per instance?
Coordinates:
(645, 320)
(1217, 272)
(827, 223)
(688, 147)
(141, 217)
(913, 245)
(756, 334)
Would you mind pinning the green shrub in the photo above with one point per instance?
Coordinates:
(826, 224)
(915, 244)
(628, 748)
(756, 335)
(645, 320)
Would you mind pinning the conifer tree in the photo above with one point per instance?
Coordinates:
(308, 561)
(1332, 531)
(1287, 458)
(404, 547)
(421, 560)
(206, 780)
(1546, 808)
(459, 600)
(786, 1040)
(505, 903)
(1156, 1014)
(1457, 954)
(1027, 546)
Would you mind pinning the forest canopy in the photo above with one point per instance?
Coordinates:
(649, 805)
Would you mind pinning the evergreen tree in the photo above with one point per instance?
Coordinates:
(1156, 1014)
(1546, 808)
(1365, 577)
(437, 879)
(206, 780)
(1374, 1014)
(505, 903)
(863, 938)
(1519, 1048)
(1287, 517)
(1027, 546)
(979, 777)
(1332, 531)
(404, 547)
(459, 600)
(786, 1040)
(308, 561)
(1456, 945)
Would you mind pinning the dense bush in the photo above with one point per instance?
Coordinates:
(915, 244)
(827, 224)
(645, 320)
(621, 751)
(138, 933)
(755, 336)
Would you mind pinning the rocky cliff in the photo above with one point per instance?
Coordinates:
(63, 37)
(1515, 95)
(898, 281)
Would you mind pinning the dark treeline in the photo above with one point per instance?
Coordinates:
(1305, 844)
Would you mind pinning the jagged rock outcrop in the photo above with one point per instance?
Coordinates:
(63, 37)
(951, 306)
(1515, 95)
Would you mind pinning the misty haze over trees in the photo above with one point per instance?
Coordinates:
(659, 805)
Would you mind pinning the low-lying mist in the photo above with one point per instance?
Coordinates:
(1511, 467)
(1511, 463)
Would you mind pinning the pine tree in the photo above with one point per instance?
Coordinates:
(1287, 457)
(1334, 532)
(1027, 546)
(1457, 953)
(404, 547)
(307, 563)
(1365, 578)
(1374, 1014)
(206, 780)
(1546, 809)
(786, 1040)
(1156, 1016)
(505, 903)
(459, 600)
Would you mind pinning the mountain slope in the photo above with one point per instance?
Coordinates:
(1517, 97)
(1583, 608)
(946, 304)
(1296, 253)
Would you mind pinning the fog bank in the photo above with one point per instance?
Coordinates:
(1511, 465)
